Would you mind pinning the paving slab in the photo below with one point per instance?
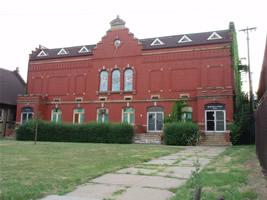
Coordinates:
(192, 160)
(160, 162)
(145, 194)
(172, 157)
(57, 197)
(178, 172)
(95, 191)
(139, 181)
(133, 170)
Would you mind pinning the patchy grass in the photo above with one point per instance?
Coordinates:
(226, 176)
(29, 171)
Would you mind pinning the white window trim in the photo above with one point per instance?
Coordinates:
(149, 131)
(57, 113)
(21, 114)
(62, 52)
(216, 35)
(128, 116)
(224, 113)
(184, 39)
(79, 118)
(84, 50)
(157, 42)
(42, 54)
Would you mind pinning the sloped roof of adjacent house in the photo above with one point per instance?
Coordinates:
(174, 41)
(11, 85)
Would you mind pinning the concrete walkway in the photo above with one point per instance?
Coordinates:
(153, 180)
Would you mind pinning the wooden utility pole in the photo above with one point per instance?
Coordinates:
(246, 31)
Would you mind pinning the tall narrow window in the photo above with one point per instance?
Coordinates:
(78, 115)
(26, 114)
(128, 80)
(116, 80)
(102, 115)
(56, 115)
(128, 115)
(187, 113)
(103, 81)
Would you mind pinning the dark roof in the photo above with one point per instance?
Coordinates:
(52, 53)
(11, 85)
(169, 42)
(197, 39)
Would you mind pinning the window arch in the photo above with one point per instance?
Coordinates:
(128, 80)
(116, 80)
(26, 114)
(103, 81)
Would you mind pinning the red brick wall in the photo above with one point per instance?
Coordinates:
(204, 72)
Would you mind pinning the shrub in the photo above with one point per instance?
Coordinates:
(181, 133)
(92, 132)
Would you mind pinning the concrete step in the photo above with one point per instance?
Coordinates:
(214, 140)
(147, 138)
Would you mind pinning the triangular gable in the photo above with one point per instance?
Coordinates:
(214, 36)
(42, 53)
(184, 39)
(83, 50)
(62, 52)
(156, 42)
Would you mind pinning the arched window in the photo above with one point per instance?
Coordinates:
(102, 115)
(116, 80)
(26, 114)
(128, 80)
(78, 115)
(56, 115)
(128, 115)
(103, 81)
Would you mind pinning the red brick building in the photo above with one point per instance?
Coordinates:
(123, 78)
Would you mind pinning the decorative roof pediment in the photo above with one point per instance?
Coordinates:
(184, 39)
(42, 54)
(83, 50)
(62, 52)
(117, 23)
(156, 42)
(215, 36)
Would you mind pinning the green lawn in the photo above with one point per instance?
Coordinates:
(227, 176)
(29, 171)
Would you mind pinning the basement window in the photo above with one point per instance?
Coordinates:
(155, 96)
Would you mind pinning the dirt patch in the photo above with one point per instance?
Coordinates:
(256, 178)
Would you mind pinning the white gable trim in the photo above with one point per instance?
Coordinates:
(42, 53)
(62, 52)
(156, 42)
(184, 39)
(214, 36)
(83, 50)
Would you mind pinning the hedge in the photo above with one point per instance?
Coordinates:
(92, 132)
(181, 133)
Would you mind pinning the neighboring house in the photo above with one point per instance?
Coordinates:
(11, 85)
(261, 116)
(125, 79)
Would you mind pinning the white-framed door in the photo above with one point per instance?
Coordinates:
(215, 120)
(155, 121)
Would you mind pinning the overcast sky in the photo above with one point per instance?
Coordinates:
(24, 24)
